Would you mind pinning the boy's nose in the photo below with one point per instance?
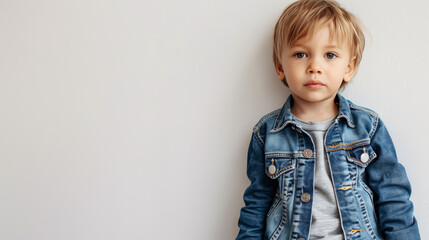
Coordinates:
(314, 67)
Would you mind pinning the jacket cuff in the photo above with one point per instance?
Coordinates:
(410, 233)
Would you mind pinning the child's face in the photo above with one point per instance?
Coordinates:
(315, 67)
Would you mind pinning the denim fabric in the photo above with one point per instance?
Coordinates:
(372, 193)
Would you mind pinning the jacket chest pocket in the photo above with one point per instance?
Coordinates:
(282, 169)
(361, 156)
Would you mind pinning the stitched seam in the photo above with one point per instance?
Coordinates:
(364, 212)
(373, 231)
(282, 223)
(275, 204)
(281, 154)
(348, 144)
(259, 139)
(282, 126)
(269, 115)
(374, 128)
(285, 168)
(280, 171)
(359, 161)
(349, 122)
(294, 156)
(352, 146)
(370, 112)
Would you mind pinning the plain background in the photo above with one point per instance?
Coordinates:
(131, 119)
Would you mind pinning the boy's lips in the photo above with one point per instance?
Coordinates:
(314, 84)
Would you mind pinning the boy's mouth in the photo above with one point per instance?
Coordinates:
(314, 84)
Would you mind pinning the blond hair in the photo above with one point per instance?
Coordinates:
(301, 19)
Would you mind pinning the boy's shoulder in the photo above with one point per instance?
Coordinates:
(267, 119)
(354, 108)
(363, 118)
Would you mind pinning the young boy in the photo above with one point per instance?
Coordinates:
(322, 167)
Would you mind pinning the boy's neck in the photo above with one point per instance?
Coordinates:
(314, 111)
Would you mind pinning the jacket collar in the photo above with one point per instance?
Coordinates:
(285, 117)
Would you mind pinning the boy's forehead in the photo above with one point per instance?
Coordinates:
(336, 37)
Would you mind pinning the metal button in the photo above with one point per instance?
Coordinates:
(308, 153)
(364, 157)
(301, 238)
(272, 168)
(305, 197)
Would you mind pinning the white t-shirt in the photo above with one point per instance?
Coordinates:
(325, 220)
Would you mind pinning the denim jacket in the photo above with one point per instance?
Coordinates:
(371, 188)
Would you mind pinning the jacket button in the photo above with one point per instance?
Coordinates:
(364, 157)
(308, 153)
(305, 197)
(272, 168)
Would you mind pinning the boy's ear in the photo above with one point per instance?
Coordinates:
(350, 71)
(280, 73)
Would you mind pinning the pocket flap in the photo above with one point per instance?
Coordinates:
(361, 156)
(276, 166)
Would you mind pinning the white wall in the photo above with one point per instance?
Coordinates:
(131, 119)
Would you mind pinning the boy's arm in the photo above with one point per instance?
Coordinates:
(388, 179)
(258, 197)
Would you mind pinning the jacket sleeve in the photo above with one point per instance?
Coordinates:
(388, 179)
(258, 197)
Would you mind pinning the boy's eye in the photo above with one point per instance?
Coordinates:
(330, 55)
(300, 55)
